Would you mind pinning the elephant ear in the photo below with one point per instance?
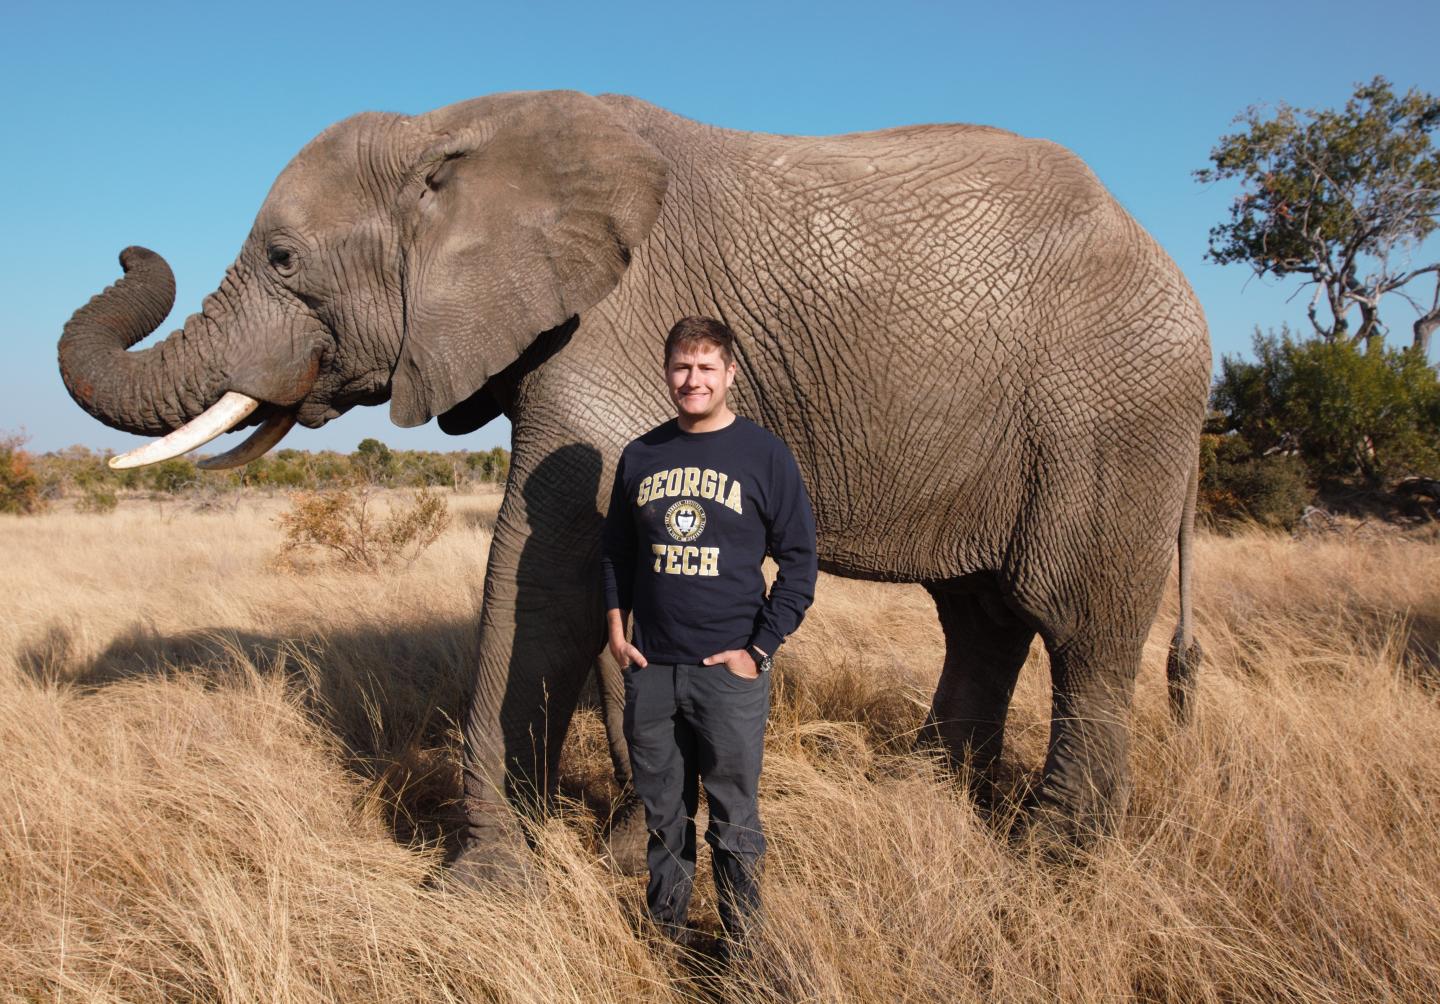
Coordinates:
(519, 215)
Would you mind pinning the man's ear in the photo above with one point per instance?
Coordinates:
(518, 215)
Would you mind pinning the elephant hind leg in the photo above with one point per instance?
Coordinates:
(986, 643)
(1086, 781)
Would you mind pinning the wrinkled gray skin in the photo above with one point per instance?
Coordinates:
(992, 379)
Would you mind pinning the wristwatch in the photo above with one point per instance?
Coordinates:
(763, 662)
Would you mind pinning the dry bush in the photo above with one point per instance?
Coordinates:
(21, 491)
(239, 792)
(344, 523)
(98, 498)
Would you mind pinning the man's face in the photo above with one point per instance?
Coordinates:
(699, 379)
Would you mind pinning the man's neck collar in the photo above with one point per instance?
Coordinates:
(710, 423)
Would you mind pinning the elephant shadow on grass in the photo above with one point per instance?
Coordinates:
(391, 696)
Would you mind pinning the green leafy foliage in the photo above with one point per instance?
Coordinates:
(374, 462)
(1347, 411)
(173, 476)
(432, 469)
(1238, 486)
(1332, 196)
(490, 466)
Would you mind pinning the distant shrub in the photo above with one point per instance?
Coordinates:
(97, 497)
(293, 469)
(72, 469)
(21, 489)
(330, 468)
(493, 465)
(287, 469)
(130, 479)
(173, 476)
(424, 469)
(1235, 484)
(1350, 413)
(344, 524)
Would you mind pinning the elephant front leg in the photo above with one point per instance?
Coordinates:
(626, 834)
(985, 647)
(541, 629)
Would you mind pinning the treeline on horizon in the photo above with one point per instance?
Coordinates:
(1252, 479)
(29, 481)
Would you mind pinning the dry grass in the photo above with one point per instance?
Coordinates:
(228, 782)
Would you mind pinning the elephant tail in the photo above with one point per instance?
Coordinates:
(1185, 655)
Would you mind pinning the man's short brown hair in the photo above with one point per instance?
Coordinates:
(691, 332)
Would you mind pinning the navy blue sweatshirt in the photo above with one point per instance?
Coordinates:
(692, 516)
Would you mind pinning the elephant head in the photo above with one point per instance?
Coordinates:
(408, 258)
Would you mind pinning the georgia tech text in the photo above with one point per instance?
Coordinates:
(686, 559)
(692, 481)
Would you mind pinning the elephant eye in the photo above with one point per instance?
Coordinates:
(281, 260)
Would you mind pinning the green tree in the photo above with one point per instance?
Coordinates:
(173, 476)
(330, 469)
(375, 462)
(77, 469)
(1347, 411)
(1343, 198)
(497, 464)
(420, 468)
(492, 465)
(289, 469)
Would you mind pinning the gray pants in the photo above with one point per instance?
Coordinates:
(685, 723)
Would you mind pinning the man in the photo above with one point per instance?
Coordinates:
(697, 503)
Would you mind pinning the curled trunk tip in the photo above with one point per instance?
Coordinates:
(135, 392)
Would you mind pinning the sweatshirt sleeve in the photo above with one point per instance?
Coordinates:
(617, 557)
(790, 540)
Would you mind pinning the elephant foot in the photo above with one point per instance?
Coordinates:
(493, 859)
(628, 838)
(479, 870)
(1051, 833)
(482, 869)
(997, 791)
(987, 779)
(1062, 831)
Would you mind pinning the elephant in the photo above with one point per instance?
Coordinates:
(992, 378)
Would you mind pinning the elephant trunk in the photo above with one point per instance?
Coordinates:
(152, 391)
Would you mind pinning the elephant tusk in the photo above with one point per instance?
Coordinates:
(220, 417)
(261, 441)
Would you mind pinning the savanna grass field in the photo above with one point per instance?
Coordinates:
(230, 777)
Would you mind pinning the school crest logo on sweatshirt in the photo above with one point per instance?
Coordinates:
(685, 520)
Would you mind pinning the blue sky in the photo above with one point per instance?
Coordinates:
(164, 124)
